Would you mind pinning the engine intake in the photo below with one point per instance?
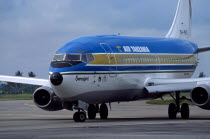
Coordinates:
(45, 98)
(200, 96)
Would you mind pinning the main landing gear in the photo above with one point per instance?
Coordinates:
(173, 109)
(93, 109)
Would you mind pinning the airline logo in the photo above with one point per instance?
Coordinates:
(130, 49)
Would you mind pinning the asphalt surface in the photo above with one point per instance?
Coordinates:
(22, 119)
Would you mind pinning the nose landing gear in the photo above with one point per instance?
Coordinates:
(79, 116)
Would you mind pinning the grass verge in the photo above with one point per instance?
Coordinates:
(16, 97)
(167, 100)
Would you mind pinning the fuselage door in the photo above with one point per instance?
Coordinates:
(111, 59)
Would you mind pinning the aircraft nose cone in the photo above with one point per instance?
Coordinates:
(56, 79)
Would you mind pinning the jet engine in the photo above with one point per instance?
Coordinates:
(200, 96)
(45, 98)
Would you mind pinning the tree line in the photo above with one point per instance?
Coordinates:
(6, 88)
(30, 74)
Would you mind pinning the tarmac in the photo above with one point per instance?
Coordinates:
(22, 119)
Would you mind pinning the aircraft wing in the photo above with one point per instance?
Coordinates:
(24, 80)
(171, 85)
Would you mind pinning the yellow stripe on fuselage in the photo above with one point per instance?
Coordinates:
(143, 59)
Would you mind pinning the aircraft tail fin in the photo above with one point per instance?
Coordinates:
(181, 27)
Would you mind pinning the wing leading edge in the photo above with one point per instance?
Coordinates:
(171, 85)
(24, 80)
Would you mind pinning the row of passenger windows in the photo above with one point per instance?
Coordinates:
(148, 59)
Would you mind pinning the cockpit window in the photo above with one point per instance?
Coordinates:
(90, 58)
(58, 57)
(72, 57)
(87, 58)
(84, 58)
(69, 60)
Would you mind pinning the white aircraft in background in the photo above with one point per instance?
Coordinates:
(88, 72)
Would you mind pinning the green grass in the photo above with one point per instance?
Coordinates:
(167, 100)
(16, 97)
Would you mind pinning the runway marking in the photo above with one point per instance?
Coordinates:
(35, 115)
(31, 105)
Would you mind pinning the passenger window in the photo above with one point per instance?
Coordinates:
(140, 61)
(122, 60)
(133, 60)
(136, 58)
(127, 59)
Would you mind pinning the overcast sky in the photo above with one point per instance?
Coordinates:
(32, 30)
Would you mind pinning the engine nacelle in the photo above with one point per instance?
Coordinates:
(45, 98)
(200, 96)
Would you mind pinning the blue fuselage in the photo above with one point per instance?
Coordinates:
(124, 53)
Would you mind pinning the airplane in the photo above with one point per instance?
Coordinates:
(90, 72)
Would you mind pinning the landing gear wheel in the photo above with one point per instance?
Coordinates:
(185, 111)
(172, 111)
(75, 117)
(103, 111)
(79, 117)
(92, 111)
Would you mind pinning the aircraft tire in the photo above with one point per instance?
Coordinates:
(92, 111)
(172, 111)
(103, 111)
(185, 111)
(79, 117)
